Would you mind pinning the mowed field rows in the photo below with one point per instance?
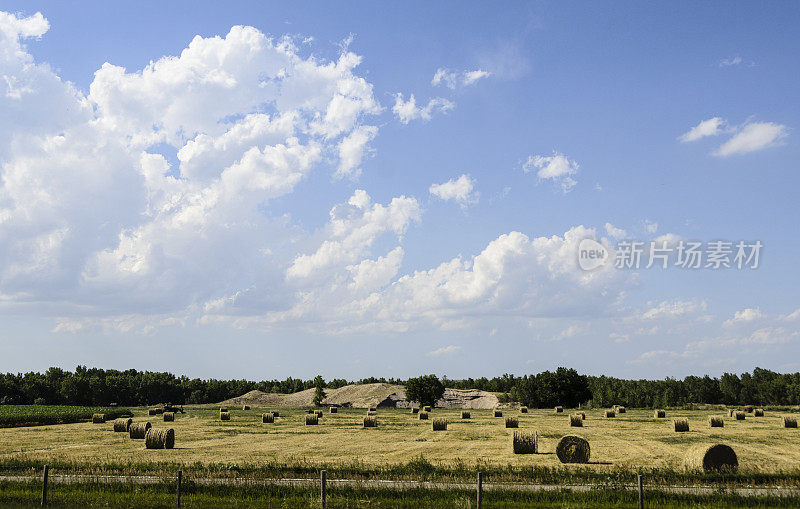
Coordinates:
(631, 440)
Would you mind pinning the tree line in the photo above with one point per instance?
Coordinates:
(567, 387)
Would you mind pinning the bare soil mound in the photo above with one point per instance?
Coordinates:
(365, 396)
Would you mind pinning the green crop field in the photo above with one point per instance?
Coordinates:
(28, 415)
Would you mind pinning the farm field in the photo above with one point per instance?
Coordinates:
(631, 441)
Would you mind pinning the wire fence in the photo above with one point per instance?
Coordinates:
(325, 484)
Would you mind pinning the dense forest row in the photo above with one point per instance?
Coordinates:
(94, 386)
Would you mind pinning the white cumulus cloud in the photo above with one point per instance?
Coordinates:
(558, 168)
(406, 111)
(461, 190)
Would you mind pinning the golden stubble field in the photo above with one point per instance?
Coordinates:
(630, 440)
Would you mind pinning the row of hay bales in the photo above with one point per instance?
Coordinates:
(163, 438)
(575, 420)
(576, 449)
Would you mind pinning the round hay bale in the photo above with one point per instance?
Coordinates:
(98, 418)
(423, 416)
(276, 413)
(559, 409)
(375, 409)
(525, 442)
(739, 415)
(660, 414)
(498, 413)
(159, 438)
(334, 409)
(681, 424)
(122, 424)
(440, 424)
(245, 407)
(224, 416)
(169, 416)
(267, 418)
(621, 409)
(582, 414)
(748, 409)
(223, 409)
(465, 414)
(758, 412)
(427, 409)
(731, 412)
(372, 412)
(151, 411)
(138, 430)
(575, 421)
(370, 421)
(523, 410)
(512, 422)
(573, 449)
(712, 458)
(318, 412)
(610, 414)
(312, 419)
(716, 422)
(414, 410)
(789, 421)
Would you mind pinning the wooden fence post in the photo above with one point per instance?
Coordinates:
(480, 489)
(178, 489)
(44, 485)
(641, 491)
(323, 478)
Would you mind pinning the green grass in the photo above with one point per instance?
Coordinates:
(28, 415)
(163, 495)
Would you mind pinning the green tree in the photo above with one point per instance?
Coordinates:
(319, 393)
(425, 390)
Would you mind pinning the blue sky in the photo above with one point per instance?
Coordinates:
(243, 189)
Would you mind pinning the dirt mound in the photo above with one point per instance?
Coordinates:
(365, 396)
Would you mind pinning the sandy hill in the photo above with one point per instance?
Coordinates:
(365, 396)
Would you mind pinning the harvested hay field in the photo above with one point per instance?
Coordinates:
(762, 445)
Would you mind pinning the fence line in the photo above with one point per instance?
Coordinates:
(323, 482)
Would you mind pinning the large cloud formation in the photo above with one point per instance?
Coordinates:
(149, 200)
